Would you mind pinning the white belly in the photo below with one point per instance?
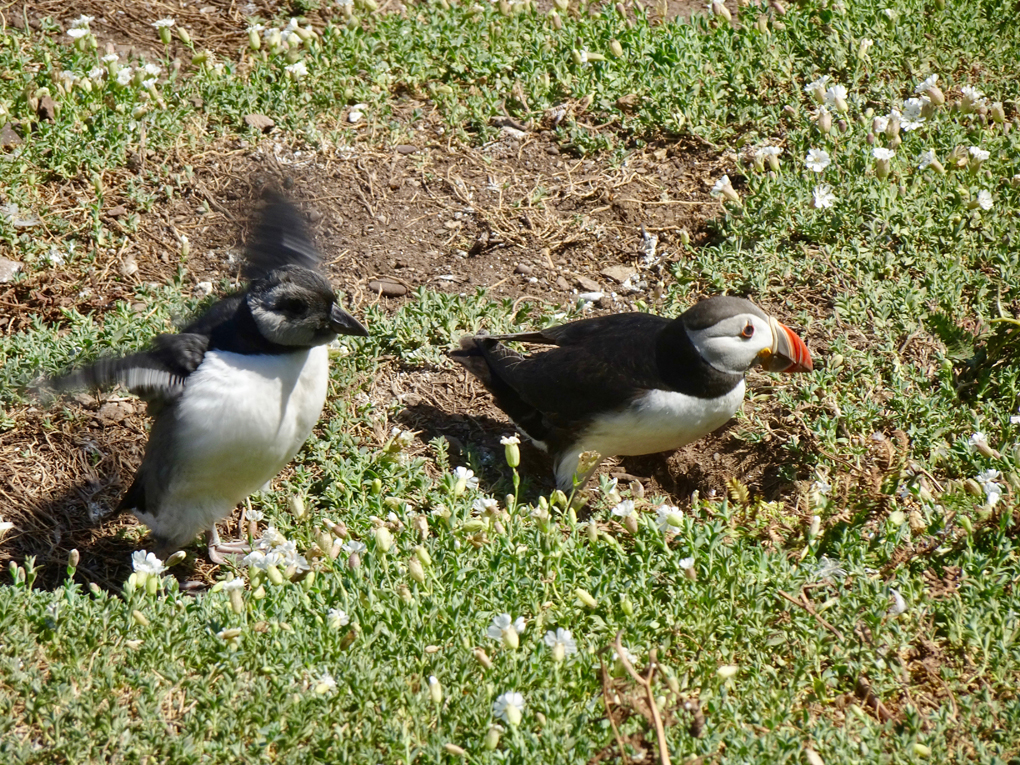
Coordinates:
(240, 420)
(661, 421)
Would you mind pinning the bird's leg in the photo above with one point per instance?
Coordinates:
(219, 551)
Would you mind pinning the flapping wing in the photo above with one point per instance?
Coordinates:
(280, 239)
(156, 375)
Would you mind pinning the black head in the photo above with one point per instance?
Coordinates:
(297, 307)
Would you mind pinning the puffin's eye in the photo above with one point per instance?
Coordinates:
(747, 331)
(291, 306)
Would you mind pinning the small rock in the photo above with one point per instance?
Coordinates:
(115, 411)
(586, 284)
(562, 284)
(196, 101)
(387, 288)
(117, 212)
(400, 263)
(202, 289)
(47, 109)
(314, 216)
(260, 122)
(406, 148)
(138, 307)
(618, 274)
(8, 137)
(8, 268)
(128, 266)
(523, 268)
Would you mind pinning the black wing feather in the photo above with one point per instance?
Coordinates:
(280, 238)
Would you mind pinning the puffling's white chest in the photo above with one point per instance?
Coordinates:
(658, 421)
(240, 420)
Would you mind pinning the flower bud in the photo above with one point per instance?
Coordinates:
(482, 658)
(626, 605)
(254, 41)
(236, 600)
(720, 10)
(592, 531)
(615, 48)
(454, 750)
(139, 618)
(182, 33)
(586, 598)
(492, 737)
(997, 113)
(815, 527)
(966, 524)
(201, 58)
(274, 575)
(416, 571)
(72, 558)
(558, 499)
(513, 454)
(824, 120)
(435, 690)
(185, 246)
(405, 595)
(423, 555)
(383, 539)
(152, 585)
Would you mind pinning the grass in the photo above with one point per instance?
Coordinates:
(906, 289)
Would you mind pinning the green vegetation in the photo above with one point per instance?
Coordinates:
(907, 585)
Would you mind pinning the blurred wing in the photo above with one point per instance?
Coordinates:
(280, 239)
(157, 375)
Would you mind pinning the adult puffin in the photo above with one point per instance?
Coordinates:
(631, 383)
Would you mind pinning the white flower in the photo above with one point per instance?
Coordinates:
(96, 73)
(927, 83)
(270, 538)
(816, 89)
(624, 509)
(325, 683)
(508, 707)
(977, 440)
(503, 624)
(297, 69)
(561, 642)
(882, 153)
(510, 441)
(163, 23)
(720, 185)
(68, 78)
(463, 479)
(817, 160)
(972, 95)
(864, 47)
(150, 83)
(82, 21)
(255, 515)
(765, 151)
(879, 124)
(124, 76)
(823, 196)
(353, 546)
(626, 652)
(827, 567)
(978, 153)
(153, 69)
(344, 3)
(669, 518)
(926, 158)
(835, 97)
(899, 605)
(256, 28)
(984, 199)
(110, 58)
(1014, 419)
(687, 563)
(484, 505)
(77, 33)
(146, 563)
(913, 109)
(337, 618)
(233, 584)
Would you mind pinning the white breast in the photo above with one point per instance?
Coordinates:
(660, 421)
(240, 420)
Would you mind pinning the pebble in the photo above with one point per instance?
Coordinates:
(586, 284)
(523, 268)
(387, 288)
(562, 283)
(618, 274)
(406, 148)
(8, 268)
(260, 122)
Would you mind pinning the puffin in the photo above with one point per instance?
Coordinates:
(236, 392)
(628, 384)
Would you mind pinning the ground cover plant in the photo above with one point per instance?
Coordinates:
(831, 578)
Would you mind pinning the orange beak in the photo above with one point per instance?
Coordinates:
(788, 352)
